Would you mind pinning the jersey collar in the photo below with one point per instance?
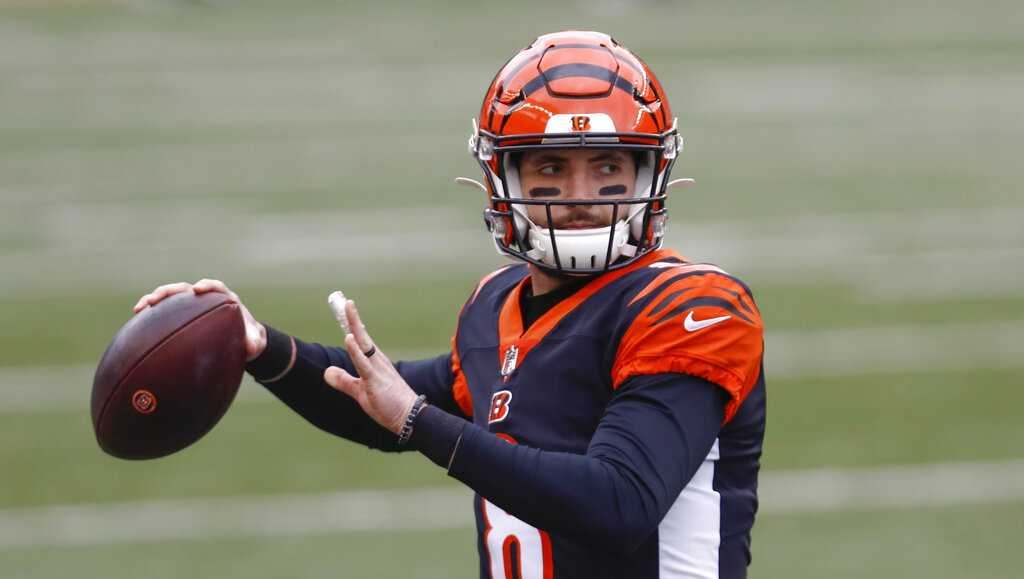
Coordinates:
(516, 344)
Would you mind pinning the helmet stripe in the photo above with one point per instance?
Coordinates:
(577, 69)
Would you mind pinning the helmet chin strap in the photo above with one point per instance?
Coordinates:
(580, 248)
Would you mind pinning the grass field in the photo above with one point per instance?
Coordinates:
(856, 164)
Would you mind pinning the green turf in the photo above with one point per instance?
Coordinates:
(419, 314)
(399, 555)
(890, 419)
(829, 306)
(257, 449)
(414, 316)
(949, 543)
(263, 448)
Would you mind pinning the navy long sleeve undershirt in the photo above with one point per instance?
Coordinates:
(303, 388)
(654, 435)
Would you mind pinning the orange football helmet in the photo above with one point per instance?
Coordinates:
(575, 89)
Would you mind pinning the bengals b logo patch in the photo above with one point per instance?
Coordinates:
(581, 123)
(499, 406)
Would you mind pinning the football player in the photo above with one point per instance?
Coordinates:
(604, 397)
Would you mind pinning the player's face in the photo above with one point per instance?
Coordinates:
(585, 174)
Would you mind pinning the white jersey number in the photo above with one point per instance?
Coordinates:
(516, 550)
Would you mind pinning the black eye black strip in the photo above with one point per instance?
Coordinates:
(612, 190)
(545, 192)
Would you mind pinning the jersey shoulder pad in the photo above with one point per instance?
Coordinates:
(693, 319)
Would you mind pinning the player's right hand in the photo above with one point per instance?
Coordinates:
(255, 333)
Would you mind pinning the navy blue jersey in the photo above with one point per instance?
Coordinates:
(619, 435)
(548, 387)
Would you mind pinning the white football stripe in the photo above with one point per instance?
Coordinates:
(781, 493)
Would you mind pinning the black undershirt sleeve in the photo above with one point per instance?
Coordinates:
(302, 387)
(654, 435)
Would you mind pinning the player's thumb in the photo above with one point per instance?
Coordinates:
(339, 379)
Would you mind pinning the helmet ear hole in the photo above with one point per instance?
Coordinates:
(515, 159)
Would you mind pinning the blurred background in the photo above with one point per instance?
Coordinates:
(856, 162)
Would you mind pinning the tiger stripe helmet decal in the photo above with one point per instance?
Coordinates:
(576, 89)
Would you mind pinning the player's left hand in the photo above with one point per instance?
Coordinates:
(381, 392)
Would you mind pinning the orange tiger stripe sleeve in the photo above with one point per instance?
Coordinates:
(701, 322)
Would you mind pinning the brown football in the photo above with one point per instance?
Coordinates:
(168, 376)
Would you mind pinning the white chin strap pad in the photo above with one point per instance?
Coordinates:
(580, 248)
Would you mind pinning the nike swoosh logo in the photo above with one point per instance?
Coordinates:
(693, 325)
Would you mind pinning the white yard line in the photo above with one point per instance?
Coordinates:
(886, 255)
(921, 255)
(892, 487)
(163, 520)
(882, 349)
(842, 352)
(781, 493)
